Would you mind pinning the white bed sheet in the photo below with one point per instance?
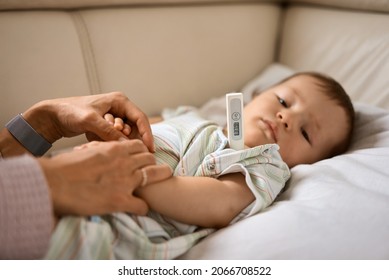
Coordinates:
(334, 209)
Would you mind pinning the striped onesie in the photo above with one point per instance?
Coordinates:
(191, 146)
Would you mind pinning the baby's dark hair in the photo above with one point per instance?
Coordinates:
(334, 91)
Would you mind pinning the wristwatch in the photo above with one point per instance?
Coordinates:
(27, 136)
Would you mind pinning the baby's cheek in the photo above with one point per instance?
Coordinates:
(253, 138)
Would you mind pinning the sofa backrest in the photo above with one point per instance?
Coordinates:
(164, 53)
(159, 55)
(350, 45)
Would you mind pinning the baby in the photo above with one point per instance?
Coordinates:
(301, 120)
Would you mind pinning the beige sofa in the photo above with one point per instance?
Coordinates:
(164, 53)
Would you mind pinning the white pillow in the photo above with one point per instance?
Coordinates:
(272, 74)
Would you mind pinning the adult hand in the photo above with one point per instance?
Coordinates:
(100, 178)
(67, 117)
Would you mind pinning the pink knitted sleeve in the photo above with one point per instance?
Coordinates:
(25, 209)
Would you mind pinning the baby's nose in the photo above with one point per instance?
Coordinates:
(284, 119)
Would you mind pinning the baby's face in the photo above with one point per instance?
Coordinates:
(298, 117)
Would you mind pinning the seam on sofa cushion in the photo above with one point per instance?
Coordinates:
(87, 53)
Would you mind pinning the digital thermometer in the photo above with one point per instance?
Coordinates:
(234, 105)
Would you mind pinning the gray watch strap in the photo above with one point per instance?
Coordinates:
(27, 136)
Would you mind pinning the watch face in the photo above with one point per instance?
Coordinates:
(27, 136)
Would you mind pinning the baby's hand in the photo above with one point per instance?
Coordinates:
(118, 124)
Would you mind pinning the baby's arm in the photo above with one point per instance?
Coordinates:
(155, 119)
(201, 201)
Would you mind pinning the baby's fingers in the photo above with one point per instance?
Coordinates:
(126, 129)
(118, 124)
(109, 118)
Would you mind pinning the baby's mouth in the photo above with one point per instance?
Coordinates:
(271, 130)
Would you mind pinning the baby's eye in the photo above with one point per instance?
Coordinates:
(305, 135)
(282, 102)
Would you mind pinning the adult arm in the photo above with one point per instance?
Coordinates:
(68, 117)
(97, 180)
(26, 218)
(80, 182)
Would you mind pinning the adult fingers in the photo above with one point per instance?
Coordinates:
(137, 117)
(122, 107)
(118, 148)
(133, 146)
(155, 173)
